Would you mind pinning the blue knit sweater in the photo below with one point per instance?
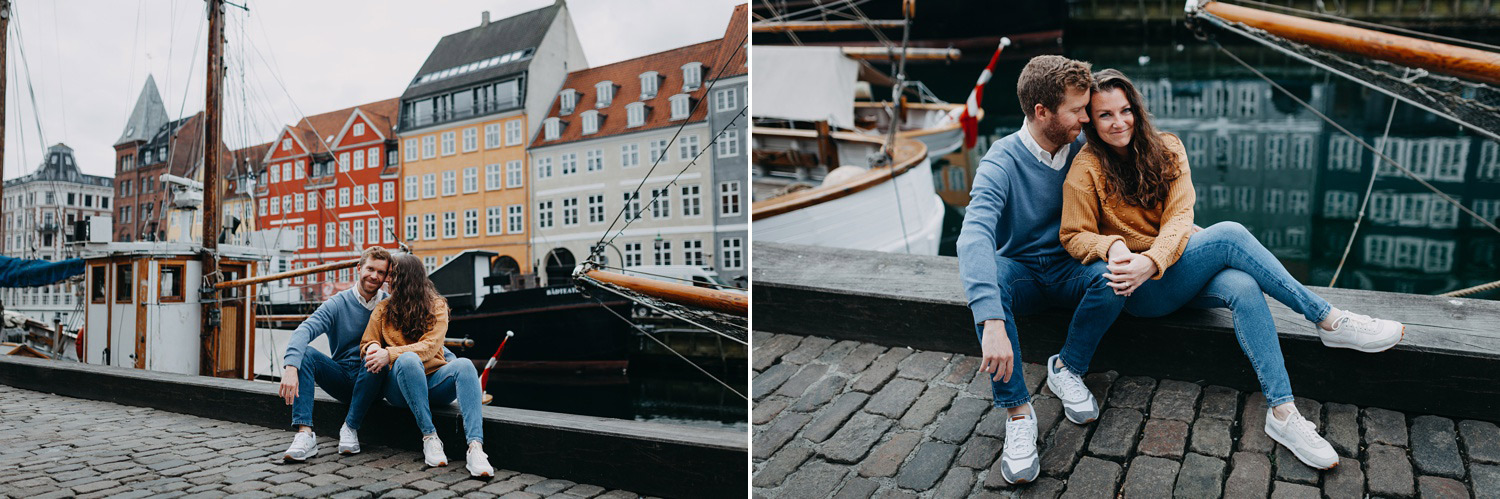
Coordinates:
(1015, 210)
(343, 319)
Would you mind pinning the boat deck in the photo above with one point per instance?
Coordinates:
(855, 419)
(56, 446)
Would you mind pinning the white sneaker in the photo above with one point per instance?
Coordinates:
(1301, 437)
(348, 440)
(1077, 401)
(432, 451)
(478, 463)
(304, 446)
(1020, 463)
(1363, 333)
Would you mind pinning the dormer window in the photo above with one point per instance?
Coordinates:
(692, 76)
(552, 127)
(359, 129)
(635, 114)
(605, 91)
(590, 121)
(567, 100)
(286, 144)
(649, 82)
(680, 106)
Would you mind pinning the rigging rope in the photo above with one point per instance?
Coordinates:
(674, 352)
(1476, 289)
(1374, 173)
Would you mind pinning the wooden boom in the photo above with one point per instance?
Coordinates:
(1474, 64)
(286, 275)
(777, 27)
(921, 54)
(682, 294)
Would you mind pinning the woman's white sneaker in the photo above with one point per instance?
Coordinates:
(348, 440)
(304, 446)
(432, 451)
(1077, 401)
(1301, 437)
(478, 463)
(1363, 333)
(1019, 462)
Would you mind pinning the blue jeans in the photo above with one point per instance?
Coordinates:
(1028, 286)
(412, 387)
(349, 383)
(1224, 266)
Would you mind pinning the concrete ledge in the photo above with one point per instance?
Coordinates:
(643, 457)
(1448, 363)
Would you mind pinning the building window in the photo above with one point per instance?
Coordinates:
(275, 177)
(429, 226)
(566, 101)
(275, 208)
(680, 106)
(604, 93)
(471, 222)
(630, 155)
(513, 175)
(590, 121)
(430, 262)
(297, 170)
(344, 233)
(515, 220)
(312, 235)
(544, 215)
(388, 225)
(632, 254)
(298, 202)
(330, 235)
(286, 145)
(733, 253)
(492, 136)
(344, 162)
(471, 139)
(411, 188)
(312, 201)
(692, 76)
(448, 144)
(358, 233)
(729, 199)
(596, 209)
(663, 253)
(390, 191)
(372, 158)
(692, 252)
(125, 211)
(658, 150)
(513, 132)
(494, 221)
(492, 177)
(691, 201)
(429, 147)
(635, 114)
(543, 167)
(726, 99)
(594, 160)
(411, 149)
(471, 179)
(429, 185)
(728, 144)
(373, 230)
(649, 82)
(569, 212)
(343, 196)
(661, 203)
(450, 183)
(411, 227)
(687, 148)
(359, 160)
(359, 195)
(632, 202)
(552, 127)
(568, 163)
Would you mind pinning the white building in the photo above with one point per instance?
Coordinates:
(40, 211)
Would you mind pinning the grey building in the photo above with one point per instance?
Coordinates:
(40, 210)
(727, 116)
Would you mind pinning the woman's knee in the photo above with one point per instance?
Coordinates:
(1235, 286)
(1229, 230)
(408, 360)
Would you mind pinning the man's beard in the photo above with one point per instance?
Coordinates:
(1057, 133)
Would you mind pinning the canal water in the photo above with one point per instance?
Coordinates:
(653, 389)
(1261, 159)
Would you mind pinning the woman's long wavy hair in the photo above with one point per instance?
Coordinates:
(409, 309)
(1145, 175)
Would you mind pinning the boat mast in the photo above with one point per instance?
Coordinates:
(908, 7)
(4, 40)
(210, 294)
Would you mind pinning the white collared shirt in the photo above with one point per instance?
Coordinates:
(1055, 162)
(380, 294)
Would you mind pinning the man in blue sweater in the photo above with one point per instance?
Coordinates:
(1012, 262)
(344, 376)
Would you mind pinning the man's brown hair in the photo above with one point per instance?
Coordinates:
(1045, 81)
(375, 253)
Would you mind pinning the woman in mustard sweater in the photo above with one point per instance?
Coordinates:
(406, 332)
(1129, 200)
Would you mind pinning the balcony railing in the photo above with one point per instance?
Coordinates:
(410, 121)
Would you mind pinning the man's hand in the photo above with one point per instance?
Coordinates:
(1128, 273)
(998, 356)
(377, 358)
(288, 389)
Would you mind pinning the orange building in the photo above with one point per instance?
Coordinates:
(466, 119)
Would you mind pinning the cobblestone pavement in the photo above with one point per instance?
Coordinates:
(848, 419)
(54, 446)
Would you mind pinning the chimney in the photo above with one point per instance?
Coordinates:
(484, 19)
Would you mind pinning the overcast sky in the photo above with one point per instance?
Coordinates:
(88, 59)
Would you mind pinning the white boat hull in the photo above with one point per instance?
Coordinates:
(903, 215)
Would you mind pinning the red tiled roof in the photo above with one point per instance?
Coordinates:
(626, 77)
(732, 48)
(381, 114)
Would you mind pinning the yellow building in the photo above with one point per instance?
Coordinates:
(465, 121)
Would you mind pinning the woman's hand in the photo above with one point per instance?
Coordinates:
(377, 358)
(1129, 272)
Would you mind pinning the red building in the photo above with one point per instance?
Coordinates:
(332, 180)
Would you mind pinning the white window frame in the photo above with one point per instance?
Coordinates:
(471, 180)
(650, 84)
(630, 155)
(552, 128)
(450, 224)
(411, 228)
(567, 100)
(515, 218)
(732, 255)
(543, 166)
(450, 143)
(604, 94)
(411, 191)
(692, 76)
(471, 139)
(492, 177)
(429, 185)
(429, 147)
(514, 176)
(687, 147)
(513, 133)
(429, 226)
(471, 222)
(494, 221)
(411, 149)
(450, 183)
(544, 214)
(728, 144)
(692, 200)
(635, 114)
(681, 106)
(726, 99)
(590, 121)
(729, 198)
(492, 136)
(593, 160)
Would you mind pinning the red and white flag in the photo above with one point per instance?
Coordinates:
(970, 117)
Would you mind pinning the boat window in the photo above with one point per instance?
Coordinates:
(171, 282)
(98, 279)
(124, 281)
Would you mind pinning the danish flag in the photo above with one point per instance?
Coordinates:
(970, 117)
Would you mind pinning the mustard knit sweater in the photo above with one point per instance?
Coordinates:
(429, 347)
(1091, 222)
